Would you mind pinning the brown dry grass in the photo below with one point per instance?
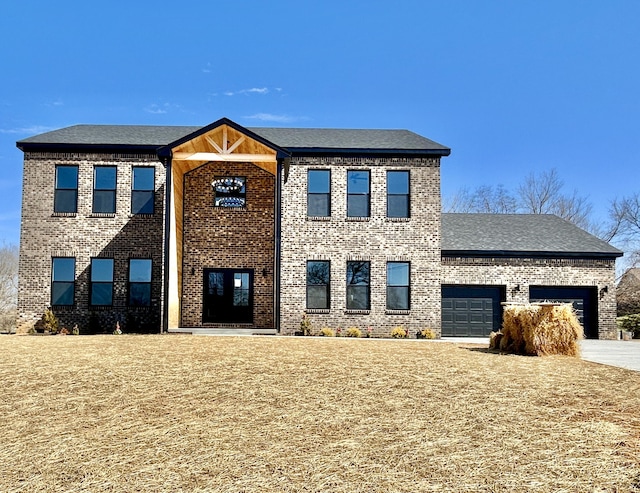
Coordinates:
(182, 413)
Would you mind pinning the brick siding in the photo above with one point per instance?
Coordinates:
(229, 238)
(85, 235)
(378, 240)
(525, 272)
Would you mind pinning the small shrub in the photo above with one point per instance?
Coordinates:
(327, 332)
(630, 323)
(369, 332)
(339, 332)
(353, 332)
(64, 331)
(50, 322)
(426, 334)
(117, 331)
(305, 325)
(399, 332)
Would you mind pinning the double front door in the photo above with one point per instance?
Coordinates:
(228, 296)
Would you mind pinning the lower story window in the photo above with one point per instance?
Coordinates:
(140, 282)
(358, 285)
(398, 285)
(318, 284)
(63, 271)
(101, 290)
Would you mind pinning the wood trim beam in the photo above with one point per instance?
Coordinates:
(236, 158)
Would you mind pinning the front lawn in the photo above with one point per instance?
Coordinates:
(257, 414)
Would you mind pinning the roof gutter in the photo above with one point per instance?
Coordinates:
(530, 254)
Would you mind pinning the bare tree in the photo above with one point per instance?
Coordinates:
(8, 286)
(624, 227)
(540, 193)
(485, 198)
(543, 194)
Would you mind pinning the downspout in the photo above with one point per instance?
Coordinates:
(167, 244)
(277, 249)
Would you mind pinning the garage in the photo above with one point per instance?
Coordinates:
(471, 311)
(583, 299)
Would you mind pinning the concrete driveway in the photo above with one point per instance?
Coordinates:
(624, 354)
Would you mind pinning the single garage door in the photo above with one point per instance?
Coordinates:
(583, 299)
(471, 311)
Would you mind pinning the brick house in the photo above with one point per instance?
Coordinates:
(227, 228)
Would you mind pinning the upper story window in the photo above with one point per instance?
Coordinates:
(318, 284)
(101, 291)
(140, 282)
(63, 275)
(358, 195)
(319, 193)
(398, 203)
(104, 189)
(358, 285)
(66, 193)
(143, 190)
(229, 191)
(398, 285)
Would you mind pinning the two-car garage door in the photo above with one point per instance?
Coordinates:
(475, 311)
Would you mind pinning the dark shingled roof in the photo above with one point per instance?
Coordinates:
(310, 139)
(519, 235)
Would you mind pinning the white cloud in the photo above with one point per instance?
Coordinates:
(161, 109)
(154, 109)
(33, 130)
(270, 117)
(253, 90)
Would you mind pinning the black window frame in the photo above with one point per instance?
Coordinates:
(61, 192)
(104, 192)
(311, 195)
(397, 287)
(393, 195)
(355, 285)
(352, 195)
(312, 286)
(56, 285)
(93, 284)
(132, 285)
(136, 193)
(224, 196)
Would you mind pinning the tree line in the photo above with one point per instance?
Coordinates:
(544, 193)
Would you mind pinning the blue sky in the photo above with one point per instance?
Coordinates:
(511, 86)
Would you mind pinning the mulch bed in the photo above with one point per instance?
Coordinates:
(184, 413)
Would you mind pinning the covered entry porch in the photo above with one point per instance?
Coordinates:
(223, 185)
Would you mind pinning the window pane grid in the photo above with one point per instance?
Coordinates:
(104, 189)
(65, 198)
(140, 282)
(63, 281)
(101, 281)
(358, 295)
(398, 203)
(143, 190)
(318, 193)
(398, 286)
(358, 194)
(318, 282)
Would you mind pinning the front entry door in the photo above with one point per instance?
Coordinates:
(228, 296)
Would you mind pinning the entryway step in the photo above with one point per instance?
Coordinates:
(209, 331)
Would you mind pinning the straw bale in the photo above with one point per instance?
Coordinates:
(541, 329)
(494, 340)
